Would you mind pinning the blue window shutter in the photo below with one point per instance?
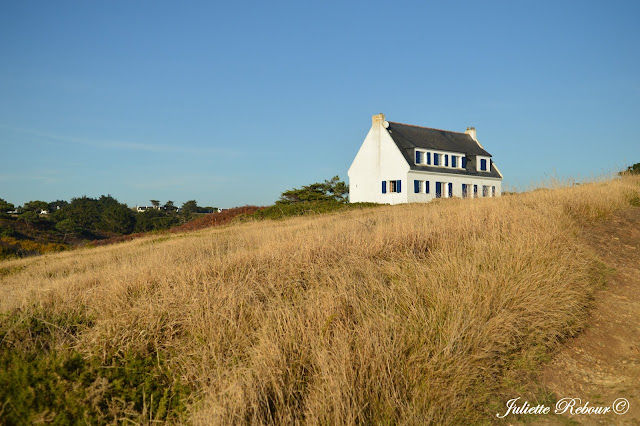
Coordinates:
(427, 187)
(428, 158)
(454, 162)
(464, 162)
(435, 159)
(384, 186)
(438, 189)
(464, 190)
(398, 186)
(446, 160)
(450, 190)
(416, 186)
(418, 157)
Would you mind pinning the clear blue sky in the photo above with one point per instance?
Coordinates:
(231, 103)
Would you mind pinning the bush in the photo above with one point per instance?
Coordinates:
(282, 210)
(25, 247)
(631, 170)
(44, 381)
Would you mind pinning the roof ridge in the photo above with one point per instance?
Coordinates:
(430, 128)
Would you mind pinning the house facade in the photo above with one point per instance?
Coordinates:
(401, 163)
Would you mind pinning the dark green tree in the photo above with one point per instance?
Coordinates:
(68, 227)
(632, 170)
(117, 218)
(5, 206)
(36, 206)
(85, 213)
(329, 190)
(30, 217)
(155, 203)
(54, 206)
(337, 189)
(169, 206)
(189, 208)
(153, 220)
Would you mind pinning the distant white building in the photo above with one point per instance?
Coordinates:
(401, 163)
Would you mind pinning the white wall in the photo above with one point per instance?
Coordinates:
(457, 181)
(378, 159)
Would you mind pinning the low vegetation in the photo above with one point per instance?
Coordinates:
(631, 170)
(39, 227)
(44, 380)
(392, 314)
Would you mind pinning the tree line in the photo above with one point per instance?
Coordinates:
(89, 217)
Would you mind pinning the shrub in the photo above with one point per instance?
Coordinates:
(44, 381)
(282, 210)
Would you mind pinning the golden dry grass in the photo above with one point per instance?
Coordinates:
(406, 314)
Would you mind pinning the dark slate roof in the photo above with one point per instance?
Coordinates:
(408, 137)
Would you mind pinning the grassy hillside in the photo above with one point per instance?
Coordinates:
(406, 314)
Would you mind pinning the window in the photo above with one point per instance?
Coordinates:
(429, 158)
(465, 190)
(421, 186)
(483, 165)
(393, 185)
(493, 191)
(475, 191)
(436, 159)
(464, 162)
(485, 191)
(450, 189)
(446, 160)
(454, 161)
(418, 157)
(438, 189)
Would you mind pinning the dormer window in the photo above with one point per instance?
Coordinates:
(440, 159)
(483, 164)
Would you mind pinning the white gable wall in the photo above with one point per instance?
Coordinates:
(394, 167)
(378, 159)
(365, 169)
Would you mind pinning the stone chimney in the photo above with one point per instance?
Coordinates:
(471, 131)
(377, 119)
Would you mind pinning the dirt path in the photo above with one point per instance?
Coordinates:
(603, 363)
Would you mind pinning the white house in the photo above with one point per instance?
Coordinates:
(401, 163)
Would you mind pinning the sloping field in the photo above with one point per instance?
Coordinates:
(404, 314)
